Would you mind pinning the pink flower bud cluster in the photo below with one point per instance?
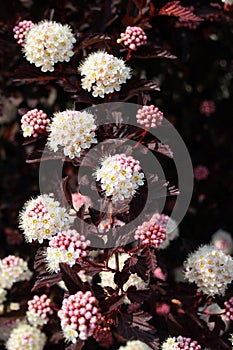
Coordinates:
(66, 247)
(150, 233)
(207, 107)
(229, 309)
(133, 37)
(39, 308)
(34, 122)
(21, 31)
(149, 116)
(79, 316)
(103, 334)
(13, 269)
(201, 172)
(180, 343)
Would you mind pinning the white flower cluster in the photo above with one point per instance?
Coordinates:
(210, 269)
(42, 217)
(120, 176)
(13, 269)
(47, 43)
(66, 247)
(103, 73)
(135, 345)
(7, 324)
(228, 2)
(72, 130)
(39, 310)
(3, 294)
(26, 337)
(180, 343)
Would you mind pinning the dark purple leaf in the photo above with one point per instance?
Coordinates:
(72, 280)
(49, 280)
(138, 296)
(174, 8)
(152, 52)
(112, 303)
(66, 190)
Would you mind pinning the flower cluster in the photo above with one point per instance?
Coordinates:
(133, 37)
(150, 233)
(119, 176)
(26, 337)
(179, 343)
(6, 326)
(105, 225)
(201, 172)
(73, 131)
(34, 123)
(103, 73)
(207, 107)
(103, 333)
(39, 308)
(229, 309)
(21, 31)
(79, 316)
(13, 269)
(170, 225)
(149, 116)
(66, 247)
(210, 269)
(42, 217)
(47, 43)
(222, 240)
(135, 345)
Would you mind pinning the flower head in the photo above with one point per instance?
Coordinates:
(179, 343)
(201, 172)
(66, 247)
(103, 73)
(149, 116)
(135, 345)
(133, 37)
(21, 31)
(34, 122)
(26, 337)
(73, 131)
(79, 316)
(47, 43)
(210, 269)
(42, 217)
(222, 240)
(207, 107)
(39, 308)
(150, 233)
(13, 269)
(120, 176)
(170, 225)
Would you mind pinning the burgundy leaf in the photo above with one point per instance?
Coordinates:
(66, 190)
(152, 52)
(112, 303)
(138, 296)
(72, 280)
(174, 8)
(49, 280)
(90, 39)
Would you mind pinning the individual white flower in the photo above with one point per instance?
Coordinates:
(222, 240)
(70, 334)
(135, 345)
(210, 269)
(73, 131)
(13, 269)
(120, 176)
(103, 73)
(26, 337)
(47, 43)
(42, 217)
